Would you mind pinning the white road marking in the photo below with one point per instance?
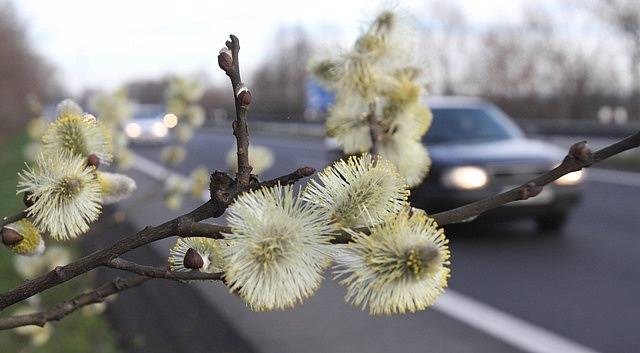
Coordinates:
(155, 170)
(150, 168)
(508, 328)
(482, 317)
(613, 177)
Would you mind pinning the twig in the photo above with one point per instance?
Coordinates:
(216, 231)
(87, 263)
(13, 218)
(161, 272)
(242, 101)
(290, 178)
(185, 226)
(578, 157)
(204, 230)
(67, 307)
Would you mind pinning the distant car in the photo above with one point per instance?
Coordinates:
(478, 151)
(149, 125)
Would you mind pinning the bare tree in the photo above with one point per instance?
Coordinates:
(22, 72)
(281, 79)
(533, 69)
(446, 41)
(147, 91)
(624, 17)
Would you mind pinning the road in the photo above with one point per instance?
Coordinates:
(581, 285)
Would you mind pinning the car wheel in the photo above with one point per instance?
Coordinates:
(552, 222)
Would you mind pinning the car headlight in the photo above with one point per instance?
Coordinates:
(572, 178)
(466, 178)
(133, 130)
(159, 129)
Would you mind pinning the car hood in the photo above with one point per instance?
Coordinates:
(505, 151)
(146, 124)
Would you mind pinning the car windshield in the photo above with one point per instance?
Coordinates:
(148, 112)
(469, 125)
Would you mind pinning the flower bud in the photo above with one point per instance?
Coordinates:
(10, 237)
(115, 187)
(68, 107)
(193, 260)
(23, 238)
(225, 59)
(244, 96)
(93, 160)
(580, 151)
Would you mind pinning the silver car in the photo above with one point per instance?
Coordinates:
(149, 125)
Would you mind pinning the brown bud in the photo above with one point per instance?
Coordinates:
(10, 236)
(305, 171)
(580, 151)
(531, 190)
(244, 97)
(225, 60)
(193, 260)
(93, 160)
(28, 199)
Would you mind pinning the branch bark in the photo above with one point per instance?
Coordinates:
(216, 231)
(240, 129)
(290, 178)
(67, 307)
(161, 272)
(13, 218)
(204, 230)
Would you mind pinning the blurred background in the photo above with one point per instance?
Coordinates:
(544, 73)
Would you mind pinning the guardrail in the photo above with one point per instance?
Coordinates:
(276, 128)
(583, 128)
(541, 127)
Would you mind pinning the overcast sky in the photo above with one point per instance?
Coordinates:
(105, 43)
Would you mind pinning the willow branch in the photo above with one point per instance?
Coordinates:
(216, 231)
(89, 262)
(579, 157)
(13, 218)
(204, 230)
(290, 178)
(242, 101)
(223, 194)
(67, 307)
(161, 272)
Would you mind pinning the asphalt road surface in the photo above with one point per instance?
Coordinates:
(581, 286)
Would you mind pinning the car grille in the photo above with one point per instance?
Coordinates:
(514, 175)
